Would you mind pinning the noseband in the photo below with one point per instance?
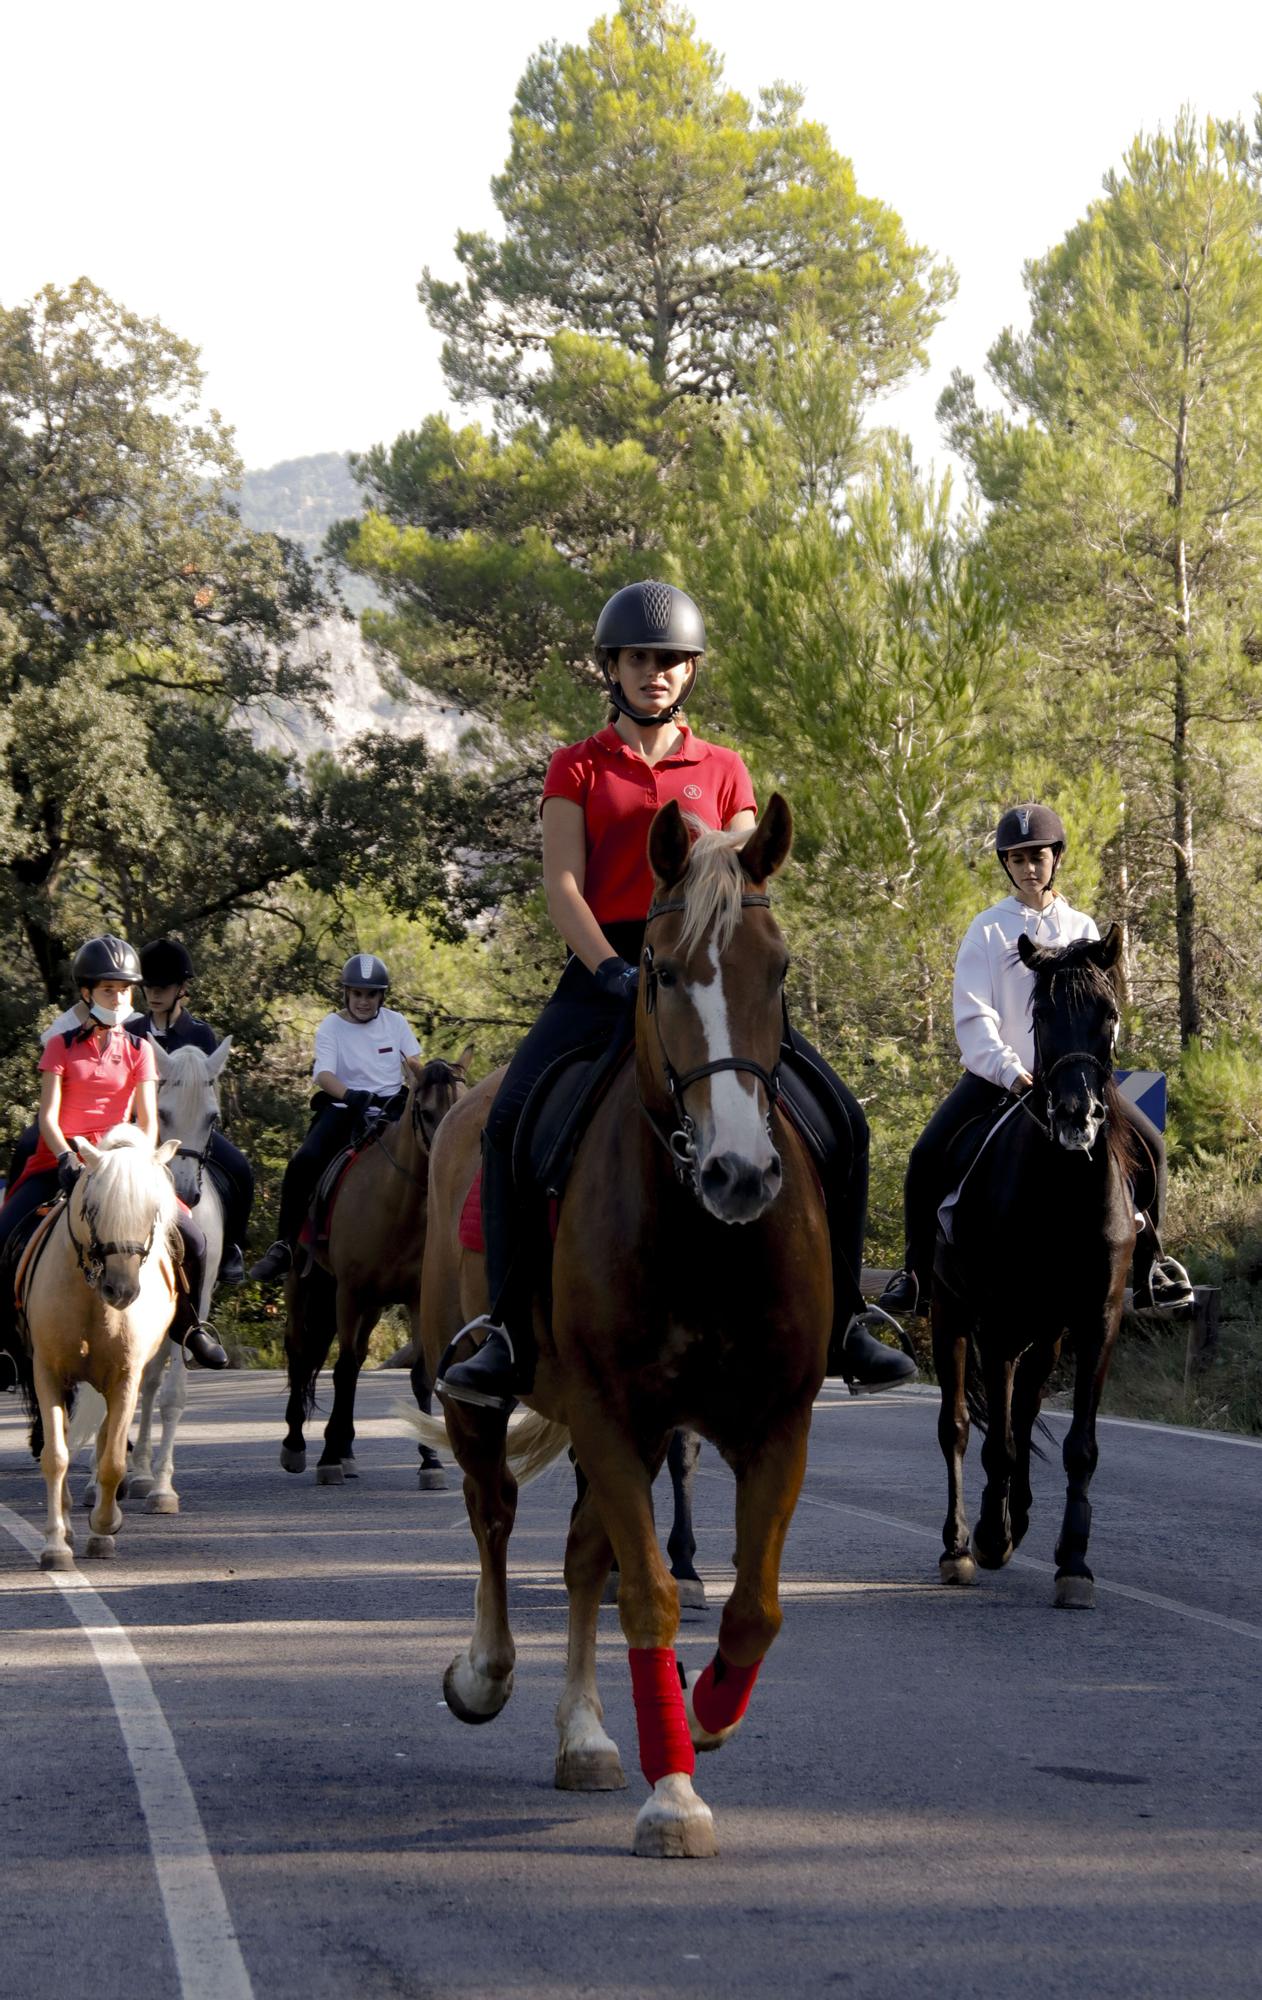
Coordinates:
(1043, 1078)
(681, 1142)
(91, 1261)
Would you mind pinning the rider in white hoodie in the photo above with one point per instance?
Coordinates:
(996, 1038)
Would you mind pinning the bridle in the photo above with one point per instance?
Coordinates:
(452, 1074)
(92, 1259)
(202, 1157)
(681, 1140)
(1043, 1079)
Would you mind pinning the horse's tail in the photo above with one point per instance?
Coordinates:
(312, 1301)
(87, 1418)
(979, 1408)
(533, 1442)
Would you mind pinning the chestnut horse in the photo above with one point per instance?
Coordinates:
(372, 1259)
(97, 1305)
(691, 1284)
(1042, 1236)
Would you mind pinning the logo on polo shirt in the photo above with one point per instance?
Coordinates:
(692, 791)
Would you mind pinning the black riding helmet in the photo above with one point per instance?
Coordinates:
(658, 618)
(165, 962)
(106, 958)
(366, 972)
(1030, 825)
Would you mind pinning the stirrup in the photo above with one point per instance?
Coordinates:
(209, 1331)
(498, 1395)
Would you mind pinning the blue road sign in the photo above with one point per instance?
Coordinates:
(1147, 1089)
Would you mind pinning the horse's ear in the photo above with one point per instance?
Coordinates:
(768, 845)
(215, 1062)
(166, 1151)
(1109, 949)
(90, 1155)
(161, 1057)
(670, 845)
(464, 1058)
(1028, 952)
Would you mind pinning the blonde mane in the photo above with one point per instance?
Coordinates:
(129, 1191)
(712, 887)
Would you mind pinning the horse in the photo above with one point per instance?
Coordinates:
(1041, 1239)
(97, 1302)
(188, 1113)
(372, 1259)
(690, 1285)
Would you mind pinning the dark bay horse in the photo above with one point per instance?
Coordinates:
(372, 1259)
(691, 1285)
(1042, 1239)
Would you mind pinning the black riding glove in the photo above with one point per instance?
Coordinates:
(616, 979)
(69, 1168)
(357, 1100)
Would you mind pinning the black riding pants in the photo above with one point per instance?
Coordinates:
(933, 1164)
(41, 1188)
(238, 1178)
(331, 1128)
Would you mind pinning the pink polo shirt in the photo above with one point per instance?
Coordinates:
(620, 793)
(99, 1074)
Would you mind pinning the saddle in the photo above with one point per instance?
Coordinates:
(319, 1216)
(23, 1251)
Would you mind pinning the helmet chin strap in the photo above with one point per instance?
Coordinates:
(621, 703)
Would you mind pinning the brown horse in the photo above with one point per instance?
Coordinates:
(372, 1260)
(690, 1284)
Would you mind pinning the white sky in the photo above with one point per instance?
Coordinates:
(269, 179)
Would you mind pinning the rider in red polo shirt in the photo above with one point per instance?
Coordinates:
(599, 799)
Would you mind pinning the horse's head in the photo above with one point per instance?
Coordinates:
(121, 1207)
(188, 1108)
(433, 1088)
(711, 1013)
(1075, 1016)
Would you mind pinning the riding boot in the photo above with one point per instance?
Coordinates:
(902, 1293)
(503, 1367)
(188, 1333)
(232, 1265)
(276, 1260)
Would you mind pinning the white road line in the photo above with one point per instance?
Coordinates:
(207, 1955)
(1171, 1604)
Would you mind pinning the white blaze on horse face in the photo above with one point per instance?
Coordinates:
(732, 1126)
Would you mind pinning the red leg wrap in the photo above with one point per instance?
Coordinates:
(665, 1744)
(721, 1696)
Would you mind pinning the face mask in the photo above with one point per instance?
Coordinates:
(111, 1017)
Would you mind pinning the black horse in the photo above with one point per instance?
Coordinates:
(1041, 1240)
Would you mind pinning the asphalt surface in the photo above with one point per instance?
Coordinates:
(253, 1787)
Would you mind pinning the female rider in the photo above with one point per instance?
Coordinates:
(599, 799)
(94, 1075)
(996, 1038)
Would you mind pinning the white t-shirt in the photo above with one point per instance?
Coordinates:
(61, 1026)
(993, 988)
(366, 1055)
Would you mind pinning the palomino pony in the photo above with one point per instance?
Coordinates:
(691, 1284)
(97, 1304)
(372, 1260)
(1042, 1236)
(188, 1112)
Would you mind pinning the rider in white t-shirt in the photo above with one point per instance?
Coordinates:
(996, 1038)
(358, 1068)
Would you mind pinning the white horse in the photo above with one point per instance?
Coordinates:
(188, 1113)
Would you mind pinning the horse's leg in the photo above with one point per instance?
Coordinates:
(140, 1478)
(479, 1681)
(992, 1537)
(54, 1461)
(1075, 1584)
(681, 1459)
(308, 1338)
(111, 1463)
(1033, 1370)
(673, 1822)
(950, 1361)
(355, 1323)
(430, 1477)
(172, 1397)
(587, 1758)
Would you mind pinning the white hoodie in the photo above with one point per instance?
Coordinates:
(992, 987)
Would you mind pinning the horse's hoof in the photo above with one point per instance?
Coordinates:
(992, 1558)
(957, 1569)
(57, 1558)
(293, 1461)
(330, 1475)
(100, 1548)
(691, 1593)
(1075, 1593)
(431, 1479)
(140, 1485)
(589, 1771)
(460, 1708)
(162, 1503)
(674, 1824)
(349, 1469)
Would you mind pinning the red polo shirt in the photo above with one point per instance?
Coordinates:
(99, 1074)
(620, 793)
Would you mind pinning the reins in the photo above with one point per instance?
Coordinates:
(92, 1260)
(202, 1158)
(681, 1141)
(453, 1075)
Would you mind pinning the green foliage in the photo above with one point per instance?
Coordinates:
(1216, 1096)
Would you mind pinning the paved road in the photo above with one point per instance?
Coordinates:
(228, 1771)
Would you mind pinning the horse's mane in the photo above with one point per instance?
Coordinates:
(1073, 976)
(713, 887)
(186, 1069)
(129, 1190)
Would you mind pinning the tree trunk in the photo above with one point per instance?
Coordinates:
(1181, 771)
